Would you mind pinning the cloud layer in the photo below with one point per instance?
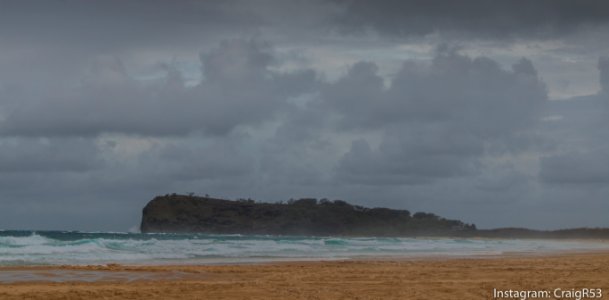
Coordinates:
(475, 17)
(465, 110)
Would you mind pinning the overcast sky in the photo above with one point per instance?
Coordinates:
(491, 112)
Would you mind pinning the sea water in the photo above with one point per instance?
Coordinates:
(63, 247)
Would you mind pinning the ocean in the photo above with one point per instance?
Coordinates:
(83, 248)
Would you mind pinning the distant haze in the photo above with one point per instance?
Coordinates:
(490, 112)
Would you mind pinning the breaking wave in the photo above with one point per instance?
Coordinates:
(61, 247)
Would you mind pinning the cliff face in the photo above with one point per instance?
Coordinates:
(179, 213)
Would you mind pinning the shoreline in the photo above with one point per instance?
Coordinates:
(286, 260)
(283, 260)
(56, 248)
(228, 261)
(156, 267)
(381, 278)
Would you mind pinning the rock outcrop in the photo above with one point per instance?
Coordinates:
(181, 213)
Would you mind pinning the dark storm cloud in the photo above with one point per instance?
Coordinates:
(106, 25)
(238, 88)
(104, 104)
(111, 25)
(437, 119)
(456, 89)
(114, 25)
(477, 18)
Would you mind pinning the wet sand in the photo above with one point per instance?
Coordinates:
(456, 278)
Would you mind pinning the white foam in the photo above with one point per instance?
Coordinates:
(125, 248)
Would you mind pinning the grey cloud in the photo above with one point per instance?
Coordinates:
(105, 104)
(113, 24)
(48, 155)
(476, 94)
(239, 88)
(580, 133)
(576, 168)
(237, 60)
(356, 96)
(577, 122)
(301, 151)
(411, 155)
(221, 160)
(476, 18)
(438, 120)
(301, 125)
(603, 67)
(106, 25)
(110, 26)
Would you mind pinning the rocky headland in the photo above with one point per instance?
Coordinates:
(202, 214)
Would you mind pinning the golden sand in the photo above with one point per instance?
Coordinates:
(462, 278)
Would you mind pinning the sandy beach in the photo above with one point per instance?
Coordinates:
(456, 278)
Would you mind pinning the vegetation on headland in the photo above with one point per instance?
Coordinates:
(189, 213)
(309, 216)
